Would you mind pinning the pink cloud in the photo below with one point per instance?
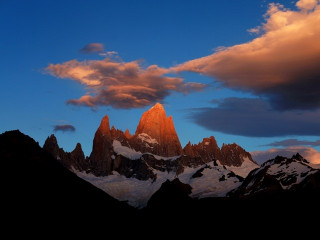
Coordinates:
(121, 84)
(281, 64)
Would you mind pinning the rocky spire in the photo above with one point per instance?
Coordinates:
(127, 134)
(157, 132)
(100, 157)
(52, 147)
(77, 154)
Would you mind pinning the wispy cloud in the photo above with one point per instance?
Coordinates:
(121, 84)
(254, 117)
(108, 53)
(294, 142)
(92, 48)
(311, 154)
(281, 64)
(64, 128)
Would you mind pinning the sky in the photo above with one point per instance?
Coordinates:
(242, 72)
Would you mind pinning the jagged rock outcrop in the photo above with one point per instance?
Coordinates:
(102, 150)
(127, 134)
(52, 147)
(207, 150)
(75, 159)
(234, 155)
(156, 134)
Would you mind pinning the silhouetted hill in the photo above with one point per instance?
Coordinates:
(38, 189)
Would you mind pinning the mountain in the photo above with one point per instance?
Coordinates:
(100, 157)
(206, 150)
(229, 155)
(133, 167)
(156, 134)
(36, 188)
(281, 177)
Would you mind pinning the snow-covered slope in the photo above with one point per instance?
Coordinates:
(246, 167)
(209, 180)
(134, 191)
(275, 176)
(137, 176)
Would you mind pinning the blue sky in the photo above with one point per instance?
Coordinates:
(35, 34)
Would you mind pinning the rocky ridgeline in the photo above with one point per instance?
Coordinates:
(75, 159)
(280, 176)
(157, 143)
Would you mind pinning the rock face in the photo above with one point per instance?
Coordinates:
(52, 147)
(234, 155)
(100, 158)
(156, 134)
(77, 158)
(208, 150)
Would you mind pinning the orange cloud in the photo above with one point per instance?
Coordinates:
(121, 84)
(282, 64)
(307, 4)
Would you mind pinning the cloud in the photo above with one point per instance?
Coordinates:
(254, 117)
(294, 142)
(307, 4)
(311, 154)
(92, 48)
(64, 128)
(121, 84)
(109, 54)
(281, 64)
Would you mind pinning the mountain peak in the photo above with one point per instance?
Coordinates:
(51, 146)
(127, 134)
(157, 106)
(158, 129)
(104, 128)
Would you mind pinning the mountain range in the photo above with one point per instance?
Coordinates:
(148, 173)
(133, 167)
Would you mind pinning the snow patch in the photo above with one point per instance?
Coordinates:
(136, 192)
(246, 167)
(146, 138)
(134, 155)
(208, 185)
(125, 151)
